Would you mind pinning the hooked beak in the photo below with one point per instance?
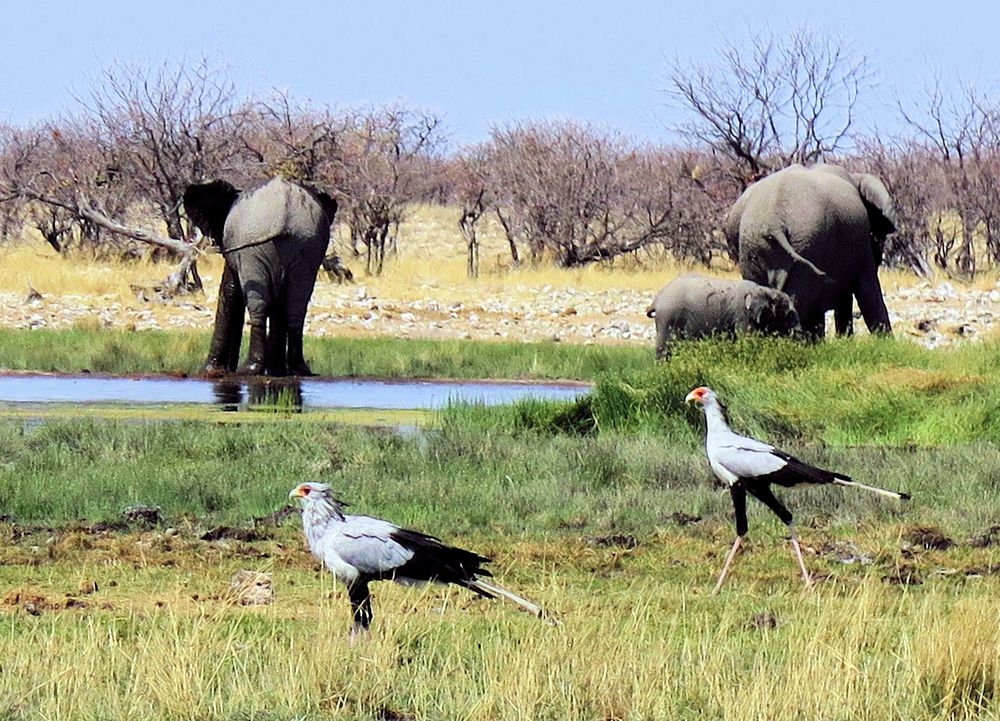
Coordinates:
(298, 492)
(696, 395)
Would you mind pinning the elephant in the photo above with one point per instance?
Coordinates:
(273, 236)
(696, 306)
(817, 234)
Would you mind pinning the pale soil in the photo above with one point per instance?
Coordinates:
(424, 293)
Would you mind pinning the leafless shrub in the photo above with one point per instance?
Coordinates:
(471, 187)
(380, 170)
(138, 140)
(167, 127)
(282, 136)
(769, 101)
(958, 127)
(580, 195)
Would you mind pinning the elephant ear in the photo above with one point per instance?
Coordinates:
(755, 308)
(878, 202)
(208, 204)
(731, 228)
(329, 205)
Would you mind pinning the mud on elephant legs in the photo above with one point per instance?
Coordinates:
(257, 354)
(296, 361)
(843, 316)
(277, 340)
(227, 334)
(868, 291)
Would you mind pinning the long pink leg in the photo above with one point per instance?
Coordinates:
(798, 555)
(728, 563)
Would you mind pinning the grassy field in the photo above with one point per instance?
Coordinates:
(603, 510)
(176, 353)
(619, 534)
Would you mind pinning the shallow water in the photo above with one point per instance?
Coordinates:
(311, 393)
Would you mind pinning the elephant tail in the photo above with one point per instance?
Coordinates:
(651, 311)
(778, 277)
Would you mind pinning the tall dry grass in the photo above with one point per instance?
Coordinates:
(634, 648)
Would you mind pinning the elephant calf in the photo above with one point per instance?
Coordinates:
(696, 306)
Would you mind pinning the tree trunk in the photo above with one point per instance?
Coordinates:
(514, 255)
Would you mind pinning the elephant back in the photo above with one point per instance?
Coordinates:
(276, 209)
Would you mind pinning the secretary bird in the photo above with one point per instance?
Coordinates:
(747, 465)
(360, 549)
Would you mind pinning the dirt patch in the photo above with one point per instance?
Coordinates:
(927, 537)
(763, 621)
(247, 535)
(34, 604)
(904, 575)
(278, 517)
(989, 537)
(251, 588)
(617, 540)
(845, 552)
(683, 519)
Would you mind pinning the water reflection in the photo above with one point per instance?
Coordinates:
(264, 394)
(281, 394)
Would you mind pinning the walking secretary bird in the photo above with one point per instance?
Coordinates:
(747, 465)
(360, 549)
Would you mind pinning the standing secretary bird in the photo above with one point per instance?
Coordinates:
(362, 549)
(747, 465)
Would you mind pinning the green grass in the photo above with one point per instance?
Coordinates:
(177, 353)
(454, 479)
(558, 494)
(864, 392)
(640, 639)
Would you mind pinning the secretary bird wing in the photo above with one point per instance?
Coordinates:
(796, 471)
(367, 544)
(749, 460)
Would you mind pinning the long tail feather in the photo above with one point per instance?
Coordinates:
(494, 590)
(873, 489)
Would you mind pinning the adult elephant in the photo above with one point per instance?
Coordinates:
(816, 234)
(273, 236)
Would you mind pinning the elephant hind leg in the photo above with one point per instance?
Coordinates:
(255, 364)
(868, 291)
(843, 315)
(299, 292)
(227, 334)
(814, 326)
(277, 340)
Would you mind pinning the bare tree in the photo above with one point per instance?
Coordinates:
(381, 169)
(168, 127)
(768, 101)
(58, 172)
(139, 139)
(282, 136)
(582, 195)
(960, 127)
(471, 188)
(555, 184)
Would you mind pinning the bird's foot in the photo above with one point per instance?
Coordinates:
(727, 565)
(359, 633)
(806, 578)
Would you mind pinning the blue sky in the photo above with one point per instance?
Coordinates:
(475, 63)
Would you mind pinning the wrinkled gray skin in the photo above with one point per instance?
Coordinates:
(817, 234)
(274, 236)
(695, 306)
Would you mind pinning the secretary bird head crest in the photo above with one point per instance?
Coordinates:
(702, 395)
(314, 491)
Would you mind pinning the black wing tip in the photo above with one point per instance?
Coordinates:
(903, 496)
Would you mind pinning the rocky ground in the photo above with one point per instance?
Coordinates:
(935, 314)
